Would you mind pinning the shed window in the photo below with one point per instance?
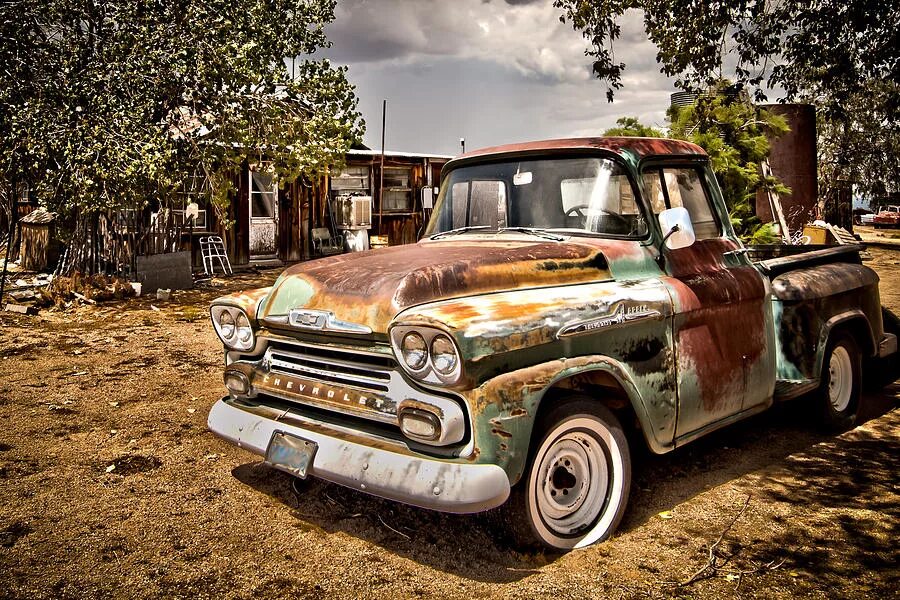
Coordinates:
(397, 191)
(351, 179)
(263, 192)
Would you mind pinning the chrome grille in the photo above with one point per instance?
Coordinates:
(367, 371)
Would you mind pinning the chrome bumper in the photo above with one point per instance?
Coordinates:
(405, 477)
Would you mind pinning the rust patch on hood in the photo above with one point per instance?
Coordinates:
(369, 288)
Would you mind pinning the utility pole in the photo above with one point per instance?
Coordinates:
(381, 173)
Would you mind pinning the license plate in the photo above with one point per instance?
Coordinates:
(290, 454)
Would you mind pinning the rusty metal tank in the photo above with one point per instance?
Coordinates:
(793, 160)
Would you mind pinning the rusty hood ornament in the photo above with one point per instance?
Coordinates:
(361, 292)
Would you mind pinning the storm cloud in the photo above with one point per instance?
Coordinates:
(492, 71)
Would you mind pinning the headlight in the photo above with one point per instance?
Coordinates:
(233, 327)
(443, 355)
(226, 325)
(414, 351)
(426, 354)
(244, 331)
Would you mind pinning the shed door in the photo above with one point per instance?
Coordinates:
(263, 214)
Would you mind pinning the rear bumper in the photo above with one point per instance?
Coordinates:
(348, 460)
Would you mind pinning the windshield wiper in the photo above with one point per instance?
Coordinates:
(457, 231)
(533, 231)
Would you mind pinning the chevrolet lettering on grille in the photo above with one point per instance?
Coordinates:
(321, 393)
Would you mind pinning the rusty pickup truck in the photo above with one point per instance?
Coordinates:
(569, 299)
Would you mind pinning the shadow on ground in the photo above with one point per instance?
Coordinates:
(470, 545)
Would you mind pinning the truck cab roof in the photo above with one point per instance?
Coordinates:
(631, 148)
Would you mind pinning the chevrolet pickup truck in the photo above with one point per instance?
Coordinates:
(569, 299)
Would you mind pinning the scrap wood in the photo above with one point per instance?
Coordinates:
(81, 297)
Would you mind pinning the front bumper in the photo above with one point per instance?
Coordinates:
(366, 465)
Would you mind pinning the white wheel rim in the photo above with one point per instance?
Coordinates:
(840, 379)
(586, 514)
(573, 479)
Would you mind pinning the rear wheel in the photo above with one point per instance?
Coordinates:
(839, 390)
(576, 485)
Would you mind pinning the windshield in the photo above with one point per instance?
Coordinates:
(566, 195)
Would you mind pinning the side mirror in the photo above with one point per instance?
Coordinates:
(678, 231)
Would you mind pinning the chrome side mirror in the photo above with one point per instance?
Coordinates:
(678, 231)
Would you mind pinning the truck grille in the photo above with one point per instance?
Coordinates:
(347, 382)
(361, 370)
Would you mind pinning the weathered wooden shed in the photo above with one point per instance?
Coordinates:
(39, 246)
(273, 223)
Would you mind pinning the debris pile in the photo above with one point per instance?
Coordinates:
(86, 288)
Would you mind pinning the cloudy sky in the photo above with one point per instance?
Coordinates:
(491, 71)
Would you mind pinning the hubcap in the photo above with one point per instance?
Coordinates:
(573, 482)
(840, 379)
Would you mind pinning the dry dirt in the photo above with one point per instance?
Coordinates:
(111, 486)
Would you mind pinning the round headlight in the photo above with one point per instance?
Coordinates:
(443, 355)
(414, 350)
(226, 325)
(244, 331)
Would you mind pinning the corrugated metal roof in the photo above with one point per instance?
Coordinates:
(394, 153)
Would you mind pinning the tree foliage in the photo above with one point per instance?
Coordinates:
(632, 127)
(106, 102)
(841, 55)
(735, 135)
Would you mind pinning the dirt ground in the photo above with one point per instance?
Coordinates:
(111, 486)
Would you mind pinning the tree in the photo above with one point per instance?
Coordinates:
(841, 55)
(631, 127)
(104, 103)
(735, 134)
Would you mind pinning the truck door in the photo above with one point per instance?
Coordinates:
(720, 325)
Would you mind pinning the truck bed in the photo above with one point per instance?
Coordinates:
(774, 259)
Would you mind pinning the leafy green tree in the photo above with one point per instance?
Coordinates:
(841, 55)
(734, 133)
(631, 127)
(104, 103)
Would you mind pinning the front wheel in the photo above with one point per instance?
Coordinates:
(576, 485)
(839, 390)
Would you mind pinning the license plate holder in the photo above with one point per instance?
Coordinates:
(291, 454)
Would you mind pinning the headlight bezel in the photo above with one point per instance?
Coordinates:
(238, 317)
(428, 373)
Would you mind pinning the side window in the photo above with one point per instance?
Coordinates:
(673, 187)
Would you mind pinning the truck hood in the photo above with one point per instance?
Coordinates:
(370, 288)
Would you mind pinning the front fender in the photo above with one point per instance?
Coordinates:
(504, 408)
(248, 301)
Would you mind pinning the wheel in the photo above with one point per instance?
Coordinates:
(575, 486)
(839, 390)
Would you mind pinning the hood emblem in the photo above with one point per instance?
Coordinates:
(321, 320)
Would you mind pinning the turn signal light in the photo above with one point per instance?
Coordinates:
(237, 383)
(419, 424)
